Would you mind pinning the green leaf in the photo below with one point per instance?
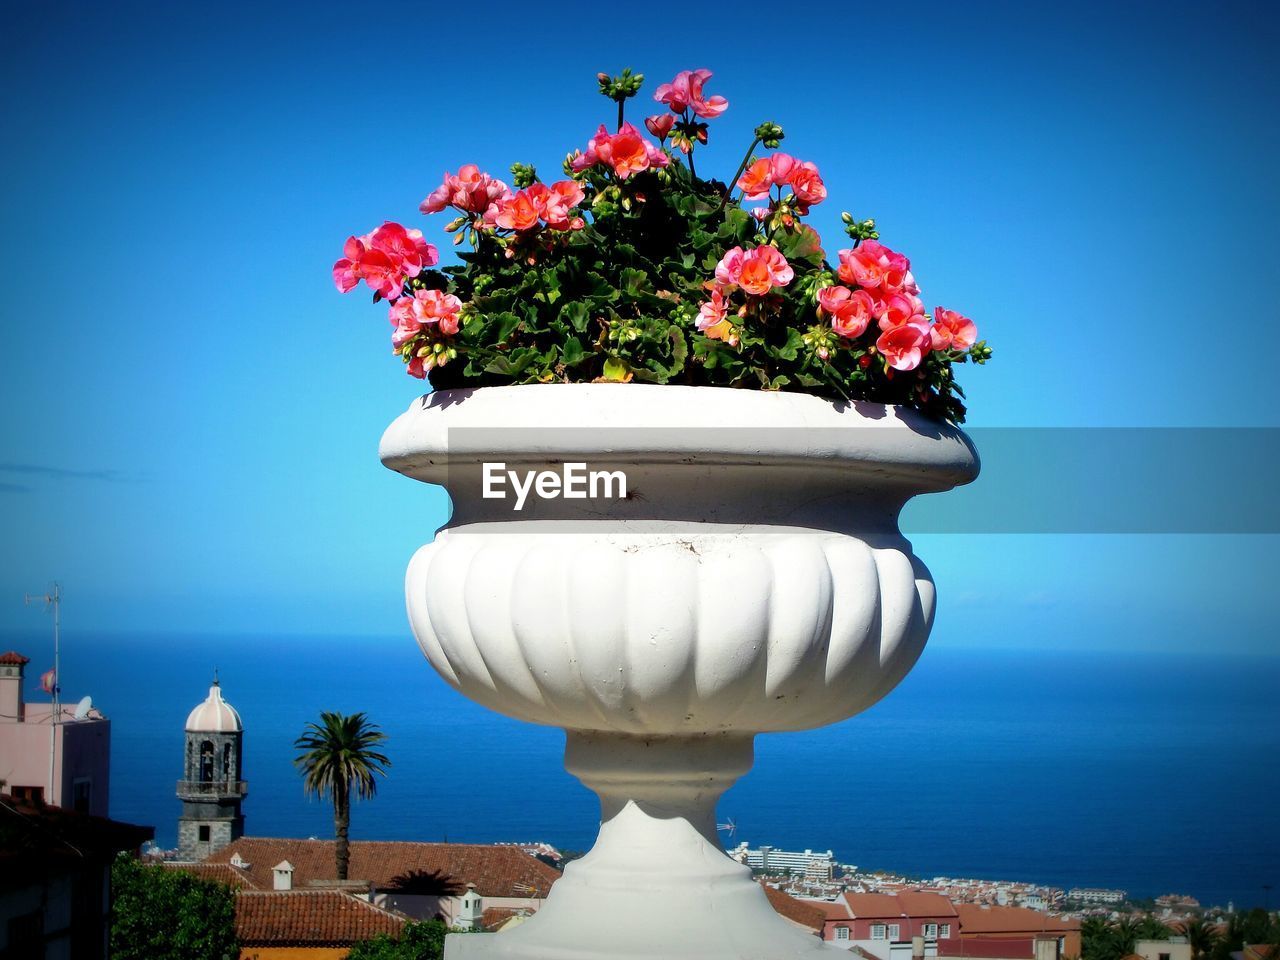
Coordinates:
(635, 282)
(616, 370)
(572, 353)
(576, 314)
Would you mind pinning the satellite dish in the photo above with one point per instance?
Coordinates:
(83, 707)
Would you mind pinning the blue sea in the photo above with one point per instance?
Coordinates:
(1153, 773)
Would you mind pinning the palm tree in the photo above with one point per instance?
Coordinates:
(1202, 937)
(336, 754)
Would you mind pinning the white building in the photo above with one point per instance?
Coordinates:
(811, 865)
(1093, 895)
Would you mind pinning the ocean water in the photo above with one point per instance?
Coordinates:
(1155, 774)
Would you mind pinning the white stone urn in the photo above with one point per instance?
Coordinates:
(752, 580)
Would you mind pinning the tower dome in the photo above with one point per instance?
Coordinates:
(214, 715)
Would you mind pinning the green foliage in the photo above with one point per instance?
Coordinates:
(1247, 926)
(421, 940)
(1102, 939)
(161, 914)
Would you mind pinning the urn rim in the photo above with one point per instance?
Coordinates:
(664, 423)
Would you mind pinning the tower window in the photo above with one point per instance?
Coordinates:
(204, 834)
(206, 761)
(226, 761)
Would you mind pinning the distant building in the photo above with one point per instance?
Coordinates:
(307, 924)
(454, 882)
(915, 925)
(812, 866)
(212, 787)
(1094, 895)
(55, 879)
(1175, 948)
(979, 923)
(884, 925)
(62, 758)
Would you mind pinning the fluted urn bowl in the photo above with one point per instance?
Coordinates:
(745, 575)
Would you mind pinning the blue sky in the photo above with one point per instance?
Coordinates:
(190, 412)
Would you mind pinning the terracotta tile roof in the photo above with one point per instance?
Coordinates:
(979, 920)
(832, 909)
(797, 911)
(220, 872)
(497, 871)
(13, 659)
(311, 918)
(916, 903)
(873, 906)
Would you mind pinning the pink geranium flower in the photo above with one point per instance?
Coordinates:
(904, 347)
(407, 250)
(782, 166)
(525, 209)
(874, 266)
(685, 93)
(557, 203)
(900, 308)
(518, 212)
(713, 319)
(951, 330)
(850, 310)
(626, 151)
(426, 308)
(361, 262)
(660, 124)
(470, 190)
(757, 180)
(807, 184)
(756, 271)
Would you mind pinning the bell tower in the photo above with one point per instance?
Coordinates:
(212, 785)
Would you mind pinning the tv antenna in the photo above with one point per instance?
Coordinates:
(728, 827)
(52, 600)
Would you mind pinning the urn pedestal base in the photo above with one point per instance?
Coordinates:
(656, 885)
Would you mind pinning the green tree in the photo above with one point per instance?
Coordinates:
(161, 914)
(1202, 937)
(421, 940)
(337, 754)
(1249, 926)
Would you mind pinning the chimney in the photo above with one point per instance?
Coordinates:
(282, 874)
(11, 706)
(917, 948)
(471, 909)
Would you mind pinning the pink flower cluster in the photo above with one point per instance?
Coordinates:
(626, 151)
(887, 293)
(755, 272)
(384, 259)
(469, 190)
(685, 93)
(432, 310)
(539, 203)
(782, 170)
